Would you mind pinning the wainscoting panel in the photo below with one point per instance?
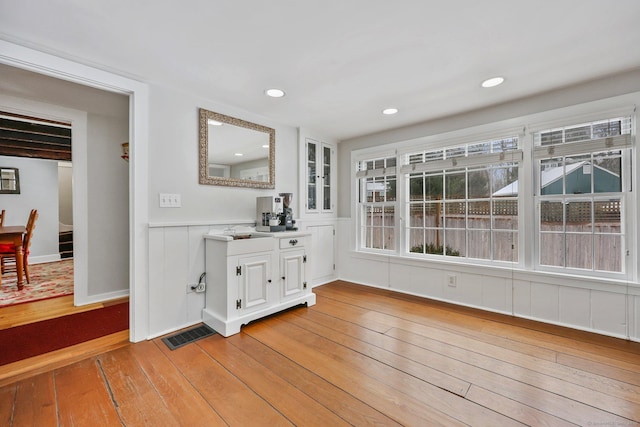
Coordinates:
(522, 298)
(372, 272)
(196, 301)
(634, 311)
(545, 302)
(601, 306)
(169, 255)
(609, 312)
(417, 280)
(575, 306)
(497, 294)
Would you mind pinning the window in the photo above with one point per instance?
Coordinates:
(463, 201)
(9, 181)
(377, 203)
(564, 206)
(581, 195)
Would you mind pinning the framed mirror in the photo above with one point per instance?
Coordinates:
(235, 152)
(9, 181)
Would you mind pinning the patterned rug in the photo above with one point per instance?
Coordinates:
(48, 280)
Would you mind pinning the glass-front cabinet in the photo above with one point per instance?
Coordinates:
(320, 163)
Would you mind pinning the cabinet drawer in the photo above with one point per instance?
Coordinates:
(292, 242)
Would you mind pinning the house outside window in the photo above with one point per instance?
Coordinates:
(581, 187)
(377, 203)
(463, 201)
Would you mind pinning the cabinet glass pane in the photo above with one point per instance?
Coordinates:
(326, 175)
(311, 176)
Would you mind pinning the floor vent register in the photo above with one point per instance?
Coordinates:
(188, 336)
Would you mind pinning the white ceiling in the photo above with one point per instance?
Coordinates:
(340, 61)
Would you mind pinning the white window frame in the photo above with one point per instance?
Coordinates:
(528, 233)
(360, 206)
(539, 153)
(469, 162)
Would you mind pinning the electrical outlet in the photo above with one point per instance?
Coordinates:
(451, 280)
(192, 287)
(200, 287)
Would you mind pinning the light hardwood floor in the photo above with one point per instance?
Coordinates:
(360, 356)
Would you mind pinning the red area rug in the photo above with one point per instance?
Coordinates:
(31, 340)
(48, 280)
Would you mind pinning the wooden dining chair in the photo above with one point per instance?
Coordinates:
(7, 252)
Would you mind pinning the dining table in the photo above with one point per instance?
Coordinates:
(13, 235)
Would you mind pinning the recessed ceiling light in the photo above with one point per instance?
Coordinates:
(389, 111)
(494, 81)
(214, 123)
(238, 154)
(274, 93)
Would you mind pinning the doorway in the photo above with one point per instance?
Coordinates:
(100, 124)
(138, 96)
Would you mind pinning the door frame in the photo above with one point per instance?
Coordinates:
(138, 92)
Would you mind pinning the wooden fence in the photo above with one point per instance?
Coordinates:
(590, 244)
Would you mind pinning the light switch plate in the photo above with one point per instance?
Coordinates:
(170, 200)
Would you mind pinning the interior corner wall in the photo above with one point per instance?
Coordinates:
(108, 205)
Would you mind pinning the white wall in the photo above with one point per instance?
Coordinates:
(107, 206)
(65, 192)
(173, 162)
(610, 307)
(38, 190)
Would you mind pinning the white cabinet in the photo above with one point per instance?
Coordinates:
(251, 278)
(322, 250)
(293, 263)
(254, 281)
(320, 189)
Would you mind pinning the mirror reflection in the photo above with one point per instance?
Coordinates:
(235, 152)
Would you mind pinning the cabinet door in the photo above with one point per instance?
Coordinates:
(292, 272)
(312, 175)
(320, 160)
(254, 273)
(327, 166)
(321, 251)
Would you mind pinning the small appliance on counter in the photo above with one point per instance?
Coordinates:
(268, 212)
(275, 213)
(286, 217)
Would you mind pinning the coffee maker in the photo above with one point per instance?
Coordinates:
(268, 214)
(286, 217)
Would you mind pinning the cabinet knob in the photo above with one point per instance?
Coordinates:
(283, 278)
(268, 280)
